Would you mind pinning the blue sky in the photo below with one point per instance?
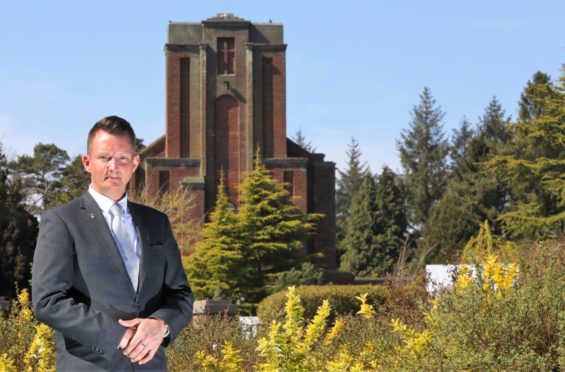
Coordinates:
(354, 68)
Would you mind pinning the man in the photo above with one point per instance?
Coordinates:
(107, 274)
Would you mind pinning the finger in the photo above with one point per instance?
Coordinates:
(126, 338)
(146, 351)
(134, 343)
(148, 357)
(129, 323)
(137, 351)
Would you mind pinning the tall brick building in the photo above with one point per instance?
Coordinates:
(226, 97)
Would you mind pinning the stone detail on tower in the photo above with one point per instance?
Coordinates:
(226, 98)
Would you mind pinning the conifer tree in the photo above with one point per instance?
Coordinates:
(471, 196)
(18, 232)
(391, 219)
(535, 170)
(423, 152)
(217, 265)
(42, 175)
(303, 142)
(459, 149)
(273, 229)
(360, 254)
(348, 184)
(377, 226)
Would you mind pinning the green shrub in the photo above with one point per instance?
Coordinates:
(209, 334)
(341, 299)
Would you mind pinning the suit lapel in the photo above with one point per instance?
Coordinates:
(143, 240)
(95, 218)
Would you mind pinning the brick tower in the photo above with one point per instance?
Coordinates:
(225, 98)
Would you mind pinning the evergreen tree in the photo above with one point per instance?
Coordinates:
(42, 175)
(459, 149)
(536, 94)
(73, 183)
(273, 229)
(535, 170)
(377, 226)
(360, 254)
(391, 219)
(471, 196)
(303, 142)
(348, 184)
(18, 232)
(423, 152)
(215, 268)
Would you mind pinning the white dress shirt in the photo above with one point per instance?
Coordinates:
(105, 203)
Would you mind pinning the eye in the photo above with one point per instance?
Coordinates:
(123, 159)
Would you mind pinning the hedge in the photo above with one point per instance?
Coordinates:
(341, 297)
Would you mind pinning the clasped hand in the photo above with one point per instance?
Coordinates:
(142, 338)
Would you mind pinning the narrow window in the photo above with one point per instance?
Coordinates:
(163, 181)
(288, 178)
(226, 55)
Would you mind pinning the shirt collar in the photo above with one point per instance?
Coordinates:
(105, 203)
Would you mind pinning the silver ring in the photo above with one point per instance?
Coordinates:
(142, 344)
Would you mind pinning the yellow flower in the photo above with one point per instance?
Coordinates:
(41, 353)
(335, 331)
(464, 279)
(6, 364)
(398, 326)
(366, 309)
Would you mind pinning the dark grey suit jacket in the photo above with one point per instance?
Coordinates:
(80, 285)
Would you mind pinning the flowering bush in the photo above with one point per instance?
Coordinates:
(25, 345)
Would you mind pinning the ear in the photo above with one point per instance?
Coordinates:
(86, 163)
(135, 161)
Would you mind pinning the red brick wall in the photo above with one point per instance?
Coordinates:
(227, 144)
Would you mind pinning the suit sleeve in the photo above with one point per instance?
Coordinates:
(52, 278)
(177, 300)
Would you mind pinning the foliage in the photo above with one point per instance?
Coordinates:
(18, 232)
(423, 152)
(342, 299)
(177, 205)
(303, 142)
(215, 269)
(25, 345)
(307, 274)
(535, 169)
(272, 230)
(471, 195)
(42, 175)
(347, 186)
(201, 346)
(240, 252)
(376, 226)
(360, 256)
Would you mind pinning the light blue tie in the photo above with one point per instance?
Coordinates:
(125, 245)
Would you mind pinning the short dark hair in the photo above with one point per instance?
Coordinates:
(113, 125)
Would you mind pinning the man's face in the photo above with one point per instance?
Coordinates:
(111, 163)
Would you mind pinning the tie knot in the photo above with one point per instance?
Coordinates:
(116, 210)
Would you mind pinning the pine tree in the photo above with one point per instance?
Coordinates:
(216, 268)
(423, 152)
(42, 175)
(459, 149)
(348, 184)
(18, 232)
(377, 226)
(303, 142)
(273, 229)
(471, 196)
(535, 170)
(391, 219)
(359, 254)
